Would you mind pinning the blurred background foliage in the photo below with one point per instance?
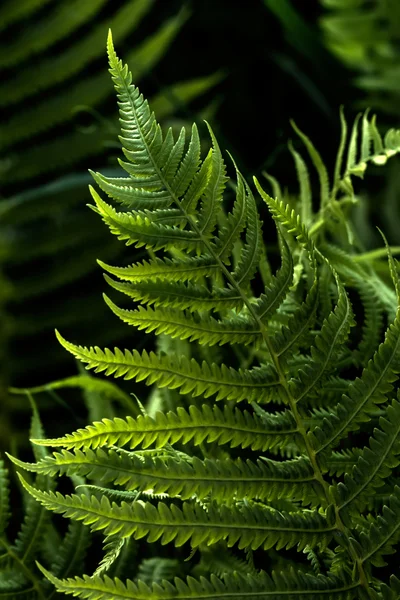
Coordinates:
(248, 67)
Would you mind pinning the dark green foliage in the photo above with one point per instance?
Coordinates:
(52, 86)
(307, 426)
(36, 539)
(364, 35)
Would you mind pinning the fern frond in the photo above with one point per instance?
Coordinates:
(256, 527)
(140, 230)
(178, 295)
(318, 164)
(382, 534)
(293, 334)
(260, 383)
(266, 479)
(211, 424)
(213, 193)
(278, 287)
(112, 546)
(365, 392)
(373, 466)
(206, 330)
(328, 343)
(167, 269)
(243, 587)
(286, 216)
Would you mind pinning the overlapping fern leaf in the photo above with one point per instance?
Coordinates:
(36, 538)
(264, 467)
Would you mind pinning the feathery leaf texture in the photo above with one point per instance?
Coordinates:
(35, 539)
(277, 351)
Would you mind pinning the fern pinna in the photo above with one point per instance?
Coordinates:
(35, 537)
(281, 376)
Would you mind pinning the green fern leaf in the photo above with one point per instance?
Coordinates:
(206, 330)
(259, 384)
(373, 466)
(267, 480)
(172, 270)
(243, 587)
(382, 533)
(177, 295)
(256, 527)
(365, 392)
(327, 345)
(230, 425)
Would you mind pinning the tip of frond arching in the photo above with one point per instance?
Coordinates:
(60, 338)
(212, 135)
(110, 43)
(46, 573)
(112, 56)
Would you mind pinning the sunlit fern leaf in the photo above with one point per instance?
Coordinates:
(296, 353)
(363, 278)
(286, 216)
(292, 334)
(139, 230)
(341, 462)
(244, 587)
(226, 426)
(166, 269)
(259, 383)
(171, 523)
(267, 480)
(178, 295)
(250, 255)
(234, 222)
(205, 330)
